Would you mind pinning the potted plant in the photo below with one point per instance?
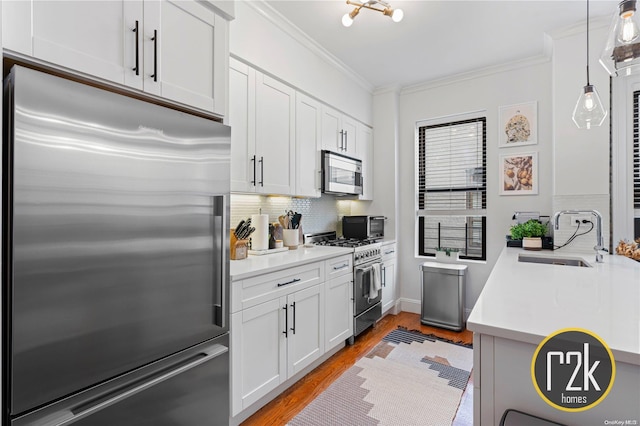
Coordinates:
(530, 232)
(446, 254)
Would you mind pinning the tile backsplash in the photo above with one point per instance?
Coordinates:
(318, 214)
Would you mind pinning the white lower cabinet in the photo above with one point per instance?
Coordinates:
(388, 271)
(339, 302)
(258, 352)
(282, 322)
(305, 336)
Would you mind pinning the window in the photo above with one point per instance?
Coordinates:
(636, 166)
(451, 179)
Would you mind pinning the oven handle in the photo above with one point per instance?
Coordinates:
(367, 267)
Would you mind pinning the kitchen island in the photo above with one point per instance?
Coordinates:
(522, 303)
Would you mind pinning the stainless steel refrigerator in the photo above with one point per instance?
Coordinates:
(115, 259)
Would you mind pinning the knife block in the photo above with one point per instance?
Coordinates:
(238, 249)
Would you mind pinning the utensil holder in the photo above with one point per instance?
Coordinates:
(290, 237)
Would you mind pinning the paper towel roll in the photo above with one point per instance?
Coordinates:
(260, 237)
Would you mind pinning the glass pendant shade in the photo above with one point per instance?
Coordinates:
(589, 110)
(621, 55)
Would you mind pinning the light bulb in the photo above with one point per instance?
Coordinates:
(347, 20)
(397, 15)
(588, 102)
(628, 29)
(589, 111)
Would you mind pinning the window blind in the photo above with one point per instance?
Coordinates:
(452, 168)
(636, 152)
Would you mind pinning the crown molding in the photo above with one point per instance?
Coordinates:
(482, 72)
(595, 23)
(289, 28)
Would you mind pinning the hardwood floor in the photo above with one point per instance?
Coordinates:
(293, 400)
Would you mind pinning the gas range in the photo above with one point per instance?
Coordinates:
(363, 250)
(367, 294)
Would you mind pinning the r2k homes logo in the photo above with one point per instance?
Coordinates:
(573, 370)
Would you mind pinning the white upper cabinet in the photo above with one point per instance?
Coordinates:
(339, 132)
(174, 49)
(262, 120)
(365, 153)
(308, 146)
(275, 136)
(242, 118)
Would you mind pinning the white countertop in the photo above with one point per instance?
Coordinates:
(527, 301)
(254, 265)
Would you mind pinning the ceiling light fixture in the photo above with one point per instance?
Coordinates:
(589, 110)
(377, 5)
(621, 54)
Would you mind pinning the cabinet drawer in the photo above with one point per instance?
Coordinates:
(339, 266)
(388, 251)
(252, 291)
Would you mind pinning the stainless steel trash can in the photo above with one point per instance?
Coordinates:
(443, 288)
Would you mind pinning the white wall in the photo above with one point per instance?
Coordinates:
(385, 135)
(581, 157)
(262, 38)
(484, 90)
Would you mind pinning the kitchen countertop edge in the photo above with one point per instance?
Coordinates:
(547, 298)
(258, 265)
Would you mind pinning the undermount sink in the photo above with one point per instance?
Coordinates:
(552, 260)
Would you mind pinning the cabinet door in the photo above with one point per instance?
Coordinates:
(332, 134)
(388, 284)
(275, 136)
(87, 36)
(339, 310)
(365, 153)
(258, 352)
(350, 129)
(241, 118)
(308, 145)
(184, 53)
(305, 342)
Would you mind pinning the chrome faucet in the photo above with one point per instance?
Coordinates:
(599, 240)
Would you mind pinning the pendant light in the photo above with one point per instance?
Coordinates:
(621, 54)
(589, 110)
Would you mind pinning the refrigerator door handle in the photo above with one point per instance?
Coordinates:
(220, 249)
(85, 409)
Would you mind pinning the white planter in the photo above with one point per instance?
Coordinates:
(532, 243)
(441, 256)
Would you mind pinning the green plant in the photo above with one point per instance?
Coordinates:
(447, 250)
(531, 228)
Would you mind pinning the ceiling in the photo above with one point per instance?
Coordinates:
(437, 39)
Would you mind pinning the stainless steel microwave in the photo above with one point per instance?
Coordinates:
(341, 175)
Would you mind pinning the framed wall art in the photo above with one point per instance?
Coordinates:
(518, 124)
(519, 174)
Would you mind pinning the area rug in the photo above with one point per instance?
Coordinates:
(409, 378)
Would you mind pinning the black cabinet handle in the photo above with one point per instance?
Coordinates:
(337, 268)
(155, 55)
(253, 182)
(293, 329)
(295, 280)
(261, 171)
(341, 140)
(346, 141)
(286, 321)
(137, 67)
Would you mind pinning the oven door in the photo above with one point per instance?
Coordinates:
(365, 286)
